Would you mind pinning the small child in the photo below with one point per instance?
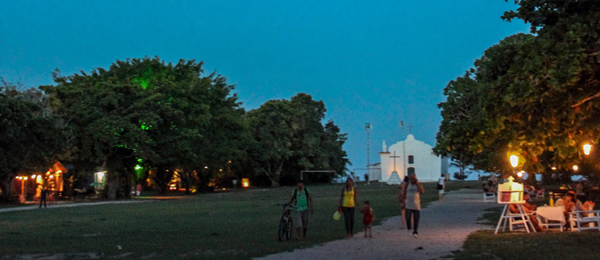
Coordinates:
(368, 217)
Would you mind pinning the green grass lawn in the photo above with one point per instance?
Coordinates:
(551, 245)
(227, 225)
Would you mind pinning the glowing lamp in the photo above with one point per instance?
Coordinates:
(554, 168)
(245, 182)
(100, 175)
(137, 167)
(25, 178)
(51, 176)
(587, 148)
(520, 174)
(575, 167)
(514, 160)
(33, 176)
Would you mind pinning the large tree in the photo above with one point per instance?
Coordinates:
(30, 138)
(533, 95)
(143, 109)
(288, 137)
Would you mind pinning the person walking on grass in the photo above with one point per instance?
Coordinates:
(413, 204)
(402, 201)
(347, 203)
(368, 217)
(304, 203)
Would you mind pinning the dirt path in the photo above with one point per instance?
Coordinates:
(70, 205)
(444, 228)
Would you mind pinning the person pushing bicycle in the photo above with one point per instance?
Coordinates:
(303, 201)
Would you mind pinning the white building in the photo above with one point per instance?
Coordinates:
(409, 156)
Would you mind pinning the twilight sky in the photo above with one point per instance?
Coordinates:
(381, 62)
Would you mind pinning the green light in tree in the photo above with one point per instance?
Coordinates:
(144, 80)
(143, 125)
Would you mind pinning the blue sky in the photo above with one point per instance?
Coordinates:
(381, 62)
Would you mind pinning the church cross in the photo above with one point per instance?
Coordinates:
(394, 156)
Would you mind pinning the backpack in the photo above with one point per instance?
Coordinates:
(296, 195)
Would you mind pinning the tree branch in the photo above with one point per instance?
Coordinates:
(586, 99)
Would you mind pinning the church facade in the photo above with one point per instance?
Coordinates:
(407, 157)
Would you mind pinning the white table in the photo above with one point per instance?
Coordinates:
(551, 216)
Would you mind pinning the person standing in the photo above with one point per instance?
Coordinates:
(43, 196)
(368, 217)
(414, 189)
(440, 187)
(304, 204)
(347, 203)
(402, 201)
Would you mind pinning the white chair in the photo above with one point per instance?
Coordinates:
(584, 220)
(515, 219)
(489, 197)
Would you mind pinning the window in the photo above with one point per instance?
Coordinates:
(411, 171)
(411, 159)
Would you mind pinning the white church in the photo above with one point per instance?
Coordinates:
(407, 157)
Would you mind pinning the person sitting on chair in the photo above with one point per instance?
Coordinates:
(528, 209)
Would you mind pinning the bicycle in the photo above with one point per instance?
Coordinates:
(286, 222)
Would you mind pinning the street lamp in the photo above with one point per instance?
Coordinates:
(587, 148)
(575, 167)
(514, 161)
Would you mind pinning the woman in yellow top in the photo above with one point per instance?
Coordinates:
(347, 203)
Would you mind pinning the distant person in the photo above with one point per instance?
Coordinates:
(368, 217)
(489, 187)
(440, 187)
(413, 204)
(347, 203)
(43, 196)
(304, 204)
(402, 201)
(138, 189)
(367, 178)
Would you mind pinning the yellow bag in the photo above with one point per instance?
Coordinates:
(337, 215)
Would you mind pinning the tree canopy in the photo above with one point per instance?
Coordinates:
(145, 109)
(289, 137)
(534, 95)
(30, 138)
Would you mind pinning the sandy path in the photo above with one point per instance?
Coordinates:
(444, 228)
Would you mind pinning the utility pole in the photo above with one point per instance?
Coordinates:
(368, 128)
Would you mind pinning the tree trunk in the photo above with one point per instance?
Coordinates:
(112, 178)
(6, 188)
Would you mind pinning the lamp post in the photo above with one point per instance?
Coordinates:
(514, 161)
(587, 148)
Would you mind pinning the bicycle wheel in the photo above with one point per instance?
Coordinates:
(282, 229)
(290, 228)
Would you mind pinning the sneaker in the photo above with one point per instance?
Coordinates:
(415, 235)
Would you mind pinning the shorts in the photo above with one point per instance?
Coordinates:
(441, 192)
(301, 220)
